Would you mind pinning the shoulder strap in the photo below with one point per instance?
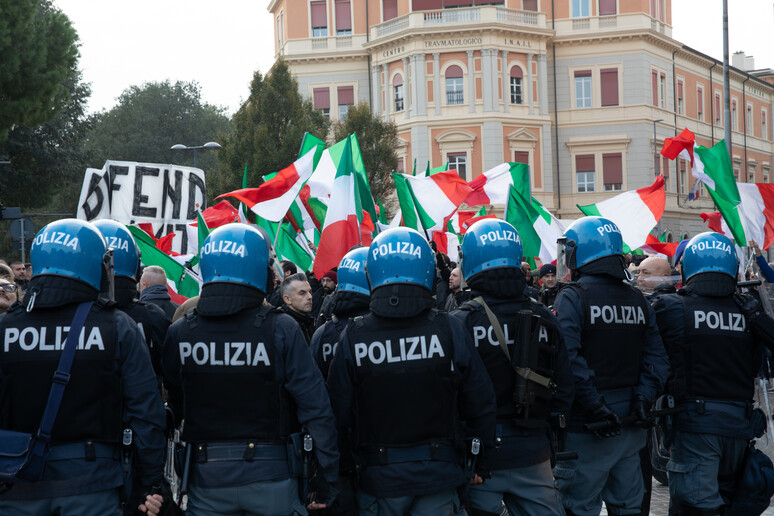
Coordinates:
(525, 373)
(62, 374)
(498, 329)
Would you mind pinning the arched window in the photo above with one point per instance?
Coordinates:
(516, 82)
(397, 84)
(454, 91)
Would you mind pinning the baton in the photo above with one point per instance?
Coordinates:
(631, 419)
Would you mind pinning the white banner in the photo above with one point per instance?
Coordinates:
(166, 196)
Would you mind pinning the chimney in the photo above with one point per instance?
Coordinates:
(749, 63)
(737, 60)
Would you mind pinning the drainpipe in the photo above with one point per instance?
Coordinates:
(556, 118)
(368, 61)
(712, 105)
(744, 126)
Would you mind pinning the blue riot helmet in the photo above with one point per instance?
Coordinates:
(586, 240)
(235, 253)
(709, 252)
(351, 272)
(488, 244)
(126, 255)
(400, 256)
(71, 248)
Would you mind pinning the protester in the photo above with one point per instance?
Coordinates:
(297, 298)
(20, 274)
(8, 296)
(549, 288)
(457, 295)
(153, 289)
(529, 289)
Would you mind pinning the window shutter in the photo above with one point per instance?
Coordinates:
(319, 17)
(453, 72)
(322, 98)
(584, 163)
(346, 95)
(609, 82)
(521, 157)
(612, 168)
(343, 18)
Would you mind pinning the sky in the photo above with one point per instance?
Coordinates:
(221, 44)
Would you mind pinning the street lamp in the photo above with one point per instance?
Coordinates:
(206, 146)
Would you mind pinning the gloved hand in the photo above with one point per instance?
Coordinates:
(640, 408)
(749, 305)
(158, 500)
(601, 413)
(324, 495)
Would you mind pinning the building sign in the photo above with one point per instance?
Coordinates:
(455, 42)
(518, 43)
(392, 52)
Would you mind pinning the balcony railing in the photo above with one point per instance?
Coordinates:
(454, 97)
(343, 44)
(483, 15)
(613, 22)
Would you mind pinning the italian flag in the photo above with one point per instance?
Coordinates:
(273, 198)
(437, 197)
(537, 228)
(655, 245)
(447, 243)
(712, 166)
(492, 186)
(321, 183)
(756, 211)
(635, 212)
(341, 229)
(180, 280)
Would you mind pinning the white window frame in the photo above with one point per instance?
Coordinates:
(580, 9)
(586, 99)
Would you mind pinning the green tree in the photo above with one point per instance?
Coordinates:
(378, 140)
(39, 51)
(46, 163)
(151, 118)
(267, 130)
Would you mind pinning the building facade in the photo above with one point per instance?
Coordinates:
(584, 91)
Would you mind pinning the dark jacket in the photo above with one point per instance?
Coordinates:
(159, 295)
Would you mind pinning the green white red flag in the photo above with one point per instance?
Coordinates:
(492, 186)
(635, 212)
(273, 198)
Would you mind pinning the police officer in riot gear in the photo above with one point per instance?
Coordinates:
(151, 319)
(352, 299)
(532, 378)
(715, 343)
(249, 383)
(111, 384)
(402, 379)
(619, 365)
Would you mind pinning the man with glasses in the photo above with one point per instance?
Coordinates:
(7, 295)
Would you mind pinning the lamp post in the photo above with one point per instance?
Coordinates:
(206, 146)
(655, 167)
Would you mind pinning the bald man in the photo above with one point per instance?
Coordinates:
(153, 290)
(655, 276)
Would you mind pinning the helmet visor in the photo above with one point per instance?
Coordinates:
(562, 257)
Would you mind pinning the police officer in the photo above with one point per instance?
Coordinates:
(352, 298)
(151, 319)
(532, 377)
(619, 365)
(715, 342)
(111, 385)
(401, 380)
(248, 383)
